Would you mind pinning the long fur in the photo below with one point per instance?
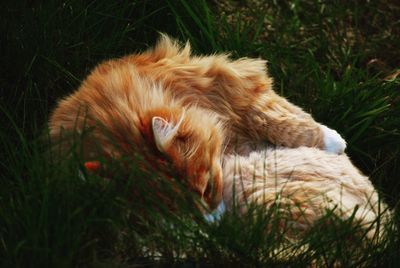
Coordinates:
(118, 104)
(240, 91)
(306, 183)
(170, 106)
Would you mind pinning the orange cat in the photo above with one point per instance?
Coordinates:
(170, 106)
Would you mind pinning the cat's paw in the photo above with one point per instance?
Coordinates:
(333, 142)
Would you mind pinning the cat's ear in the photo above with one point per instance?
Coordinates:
(164, 131)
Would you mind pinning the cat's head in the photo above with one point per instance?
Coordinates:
(192, 141)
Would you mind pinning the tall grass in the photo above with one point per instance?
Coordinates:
(337, 60)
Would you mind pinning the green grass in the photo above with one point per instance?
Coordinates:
(334, 59)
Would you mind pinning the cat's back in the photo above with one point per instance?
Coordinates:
(306, 183)
(298, 171)
(309, 176)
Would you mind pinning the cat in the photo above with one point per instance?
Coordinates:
(185, 111)
(306, 183)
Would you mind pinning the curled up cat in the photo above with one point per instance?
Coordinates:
(189, 111)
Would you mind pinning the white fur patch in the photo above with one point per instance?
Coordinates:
(334, 143)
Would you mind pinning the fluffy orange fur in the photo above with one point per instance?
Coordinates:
(240, 91)
(170, 106)
(130, 114)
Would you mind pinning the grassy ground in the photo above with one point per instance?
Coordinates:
(338, 60)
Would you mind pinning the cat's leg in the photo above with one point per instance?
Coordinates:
(333, 142)
(242, 92)
(286, 124)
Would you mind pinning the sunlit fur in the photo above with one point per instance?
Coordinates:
(239, 90)
(306, 183)
(119, 103)
(121, 98)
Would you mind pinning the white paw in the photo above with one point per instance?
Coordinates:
(216, 214)
(334, 143)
